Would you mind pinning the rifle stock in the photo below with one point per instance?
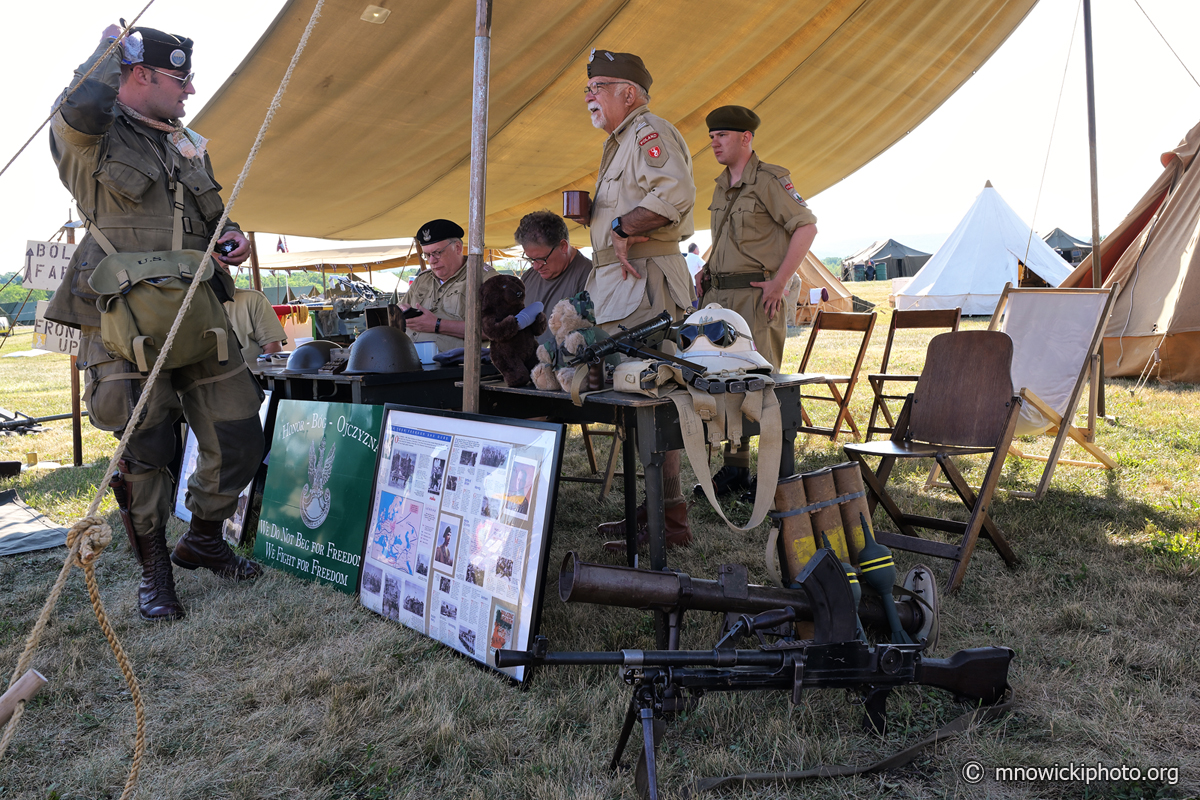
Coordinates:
(979, 674)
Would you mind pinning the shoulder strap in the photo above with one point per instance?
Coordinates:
(176, 224)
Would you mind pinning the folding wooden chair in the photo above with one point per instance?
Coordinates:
(963, 404)
(610, 469)
(902, 320)
(862, 323)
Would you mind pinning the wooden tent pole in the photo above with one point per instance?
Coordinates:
(1097, 273)
(255, 277)
(475, 251)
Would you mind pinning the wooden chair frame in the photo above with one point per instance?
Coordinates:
(984, 424)
(902, 320)
(862, 323)
(610, 470)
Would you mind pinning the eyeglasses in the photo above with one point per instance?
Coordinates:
(720, 333)
(540, 262)
(430, 255)
(593, 89)
(184, 81)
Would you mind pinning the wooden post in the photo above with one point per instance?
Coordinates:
(76, 411)
(1097, 273)
(23, 690)
(255, 278)
(475, 249)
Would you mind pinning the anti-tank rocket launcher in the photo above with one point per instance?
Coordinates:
(667, 682)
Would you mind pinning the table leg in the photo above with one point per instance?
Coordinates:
(652, 465)
(629, 459)
(787, 455)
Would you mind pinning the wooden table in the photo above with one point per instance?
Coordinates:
(433, 387)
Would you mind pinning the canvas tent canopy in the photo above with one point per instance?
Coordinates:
(357, 259)
(815, 275)
(1152, 254)
(374, 135)
(983, 253)
(900, 260)
(1071, 249)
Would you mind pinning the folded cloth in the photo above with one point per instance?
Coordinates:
(456, 356)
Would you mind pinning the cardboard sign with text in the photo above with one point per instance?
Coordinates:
(53, 336)
(318, 493)
(44, 264)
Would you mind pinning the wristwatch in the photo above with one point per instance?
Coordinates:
(437, 326)
(616, 228)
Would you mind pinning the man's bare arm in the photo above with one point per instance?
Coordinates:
(642, 220)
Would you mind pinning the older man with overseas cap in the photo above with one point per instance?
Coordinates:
(440, 292)
(642, 211)
(125, 157)
(761, 230)
(556, 269)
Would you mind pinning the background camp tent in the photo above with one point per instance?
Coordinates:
(900, 261)
(1153, 255)
(1071, 249)
(970, 269)
(373, 137)
(815, 275)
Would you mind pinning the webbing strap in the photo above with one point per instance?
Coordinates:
(214, 378)
(818, 506)
(139, 352)
(222, 343)
(177, 224)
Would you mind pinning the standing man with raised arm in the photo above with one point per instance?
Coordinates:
(645, 193)
(761, 230)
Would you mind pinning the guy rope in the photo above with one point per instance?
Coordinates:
(90, 535)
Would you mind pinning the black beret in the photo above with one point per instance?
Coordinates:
(626, 66)
(439, 230)
(165, 50)
(732, 118)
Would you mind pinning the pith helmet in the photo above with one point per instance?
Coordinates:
(733, 348)
(310, 356)
(383, 349)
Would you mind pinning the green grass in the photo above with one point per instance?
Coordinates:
(286, 690)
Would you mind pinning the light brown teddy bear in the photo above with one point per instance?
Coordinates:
(572, 321)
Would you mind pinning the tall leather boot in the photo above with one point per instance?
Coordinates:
(204, 546)
(675, 522)
(157, 600)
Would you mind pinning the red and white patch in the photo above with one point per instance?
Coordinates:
(654, 152)
(650, 137)
(789, 187)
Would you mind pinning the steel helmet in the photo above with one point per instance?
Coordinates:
(383, 349)
(720, 340)
(310, 356)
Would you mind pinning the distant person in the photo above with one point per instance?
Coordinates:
(870, 270)
(695, 263)
(255, 323)
(556, 269)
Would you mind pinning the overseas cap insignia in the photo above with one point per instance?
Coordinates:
(439, 230)
(178, 57)
(592, 55)
(164, 50)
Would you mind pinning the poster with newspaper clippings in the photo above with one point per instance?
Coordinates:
(459, 527)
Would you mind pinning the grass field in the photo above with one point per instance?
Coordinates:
(281, 689)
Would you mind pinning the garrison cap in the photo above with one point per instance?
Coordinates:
(732, 118)
(439, 230)
(625, 66)
(165, 50)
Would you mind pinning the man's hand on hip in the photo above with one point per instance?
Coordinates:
(773, 291)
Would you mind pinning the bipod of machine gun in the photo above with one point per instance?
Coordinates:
(668, 682)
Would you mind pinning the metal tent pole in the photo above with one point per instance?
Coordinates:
(475, 250)
(1097, 273)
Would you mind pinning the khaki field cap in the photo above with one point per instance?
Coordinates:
(732, 118)
(624, 66)
(719, 339)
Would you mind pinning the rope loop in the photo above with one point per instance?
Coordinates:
(93, 535)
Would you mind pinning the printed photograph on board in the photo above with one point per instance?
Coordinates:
(371, 579)
(447, 541)
(403, 467)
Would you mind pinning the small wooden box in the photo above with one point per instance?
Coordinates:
(577, 207)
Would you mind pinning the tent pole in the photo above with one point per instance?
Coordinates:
(475, 254)
(255, 278)
(1097, 273)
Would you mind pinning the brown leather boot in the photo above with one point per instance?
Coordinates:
(157, 600)
(678, 533)
(204, 546)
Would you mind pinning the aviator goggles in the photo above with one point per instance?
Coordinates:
(719, 332)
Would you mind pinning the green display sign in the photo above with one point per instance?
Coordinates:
(318, 492)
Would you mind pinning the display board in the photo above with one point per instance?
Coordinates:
(318, 490)
(54, 336)
(459, 529)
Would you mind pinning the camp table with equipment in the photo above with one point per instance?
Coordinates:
(435, 386)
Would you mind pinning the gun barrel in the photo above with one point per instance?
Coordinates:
(602, 584)
(769, 659)
(979, 674)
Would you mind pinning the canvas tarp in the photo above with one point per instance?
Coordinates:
(356, 259)
(373, 136)
(815, 275)
(901, 260)
(1153, 255)
(970, 269)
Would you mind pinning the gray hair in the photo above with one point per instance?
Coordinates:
(543, 228)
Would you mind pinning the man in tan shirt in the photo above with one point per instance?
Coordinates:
(254, 321)
(440, 292)
(642, 210)
(762, 229)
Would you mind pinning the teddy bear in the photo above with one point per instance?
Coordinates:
(572, 321)
(511, 328)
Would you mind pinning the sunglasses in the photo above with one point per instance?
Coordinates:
(720, 333)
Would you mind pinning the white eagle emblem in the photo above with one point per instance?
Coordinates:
(314, 497)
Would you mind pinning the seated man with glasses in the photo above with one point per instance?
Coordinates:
(554, 269)
(440, 292)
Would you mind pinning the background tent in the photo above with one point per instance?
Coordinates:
(815, 275)
(1153, 255)
(1071, 249)
(373, 136)
(970, 269)
(901, 260)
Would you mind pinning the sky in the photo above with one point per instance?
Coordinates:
(997, 126)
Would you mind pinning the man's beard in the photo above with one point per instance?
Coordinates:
(599, 120)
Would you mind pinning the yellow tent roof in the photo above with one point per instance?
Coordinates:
(373, 136)
(357, 259)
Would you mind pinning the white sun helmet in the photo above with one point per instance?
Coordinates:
(740, 354)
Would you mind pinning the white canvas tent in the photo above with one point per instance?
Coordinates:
(970, 269)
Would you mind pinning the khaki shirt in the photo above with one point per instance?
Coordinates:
(119, 172)
(447, 300)
(753, 220)
(254, 321)
(645, 164)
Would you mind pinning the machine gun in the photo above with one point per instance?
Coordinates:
(668, 682)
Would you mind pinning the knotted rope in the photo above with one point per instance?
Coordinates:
(90, 535)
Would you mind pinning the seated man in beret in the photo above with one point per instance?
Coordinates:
(440, 292)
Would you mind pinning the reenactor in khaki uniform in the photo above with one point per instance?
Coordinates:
(761, 230)
(642, 210)
(256, 324)
(120, 148)
(440, 292)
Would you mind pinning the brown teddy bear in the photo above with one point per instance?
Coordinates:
(511, 328)
(572, 321)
